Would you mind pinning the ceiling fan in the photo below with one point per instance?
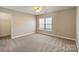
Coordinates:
(38, 8)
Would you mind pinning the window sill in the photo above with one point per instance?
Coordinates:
(45, 30)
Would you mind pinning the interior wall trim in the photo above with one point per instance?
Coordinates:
(58, 36)
(5, 35)
(22, 35)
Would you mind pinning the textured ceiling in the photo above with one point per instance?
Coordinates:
(29, 9)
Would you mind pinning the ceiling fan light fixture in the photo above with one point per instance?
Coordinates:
(38, 8)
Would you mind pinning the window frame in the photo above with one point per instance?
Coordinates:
(45, 29)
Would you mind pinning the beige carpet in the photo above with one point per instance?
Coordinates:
(37, 43)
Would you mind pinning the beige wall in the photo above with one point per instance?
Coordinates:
(22, 23)
(64, 23)
(77, 27)
(5, 24)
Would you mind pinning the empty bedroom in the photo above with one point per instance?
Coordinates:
(38, 29)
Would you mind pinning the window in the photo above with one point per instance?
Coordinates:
(45, 23)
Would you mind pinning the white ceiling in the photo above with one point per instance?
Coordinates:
(29, 9)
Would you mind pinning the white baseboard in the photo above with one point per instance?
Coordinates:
(60, 36)
(22, 35)
(45, 34)
(5, 35)
(64, 37)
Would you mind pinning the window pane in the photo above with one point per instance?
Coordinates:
(49, 20)
(48, 27)
(41, 26)
(41, 21)
(45, 23)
